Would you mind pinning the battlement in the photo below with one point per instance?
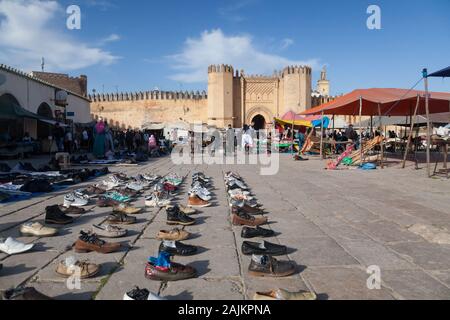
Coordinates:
(148, 95)
(297, 70)
(223, 68)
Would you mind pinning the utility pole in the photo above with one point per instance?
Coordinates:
(42, 64)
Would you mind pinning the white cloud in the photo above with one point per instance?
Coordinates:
(214, 47)
(286, 43)
(28, 32)
(111, 38)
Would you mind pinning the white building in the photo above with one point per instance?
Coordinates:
(28, 92)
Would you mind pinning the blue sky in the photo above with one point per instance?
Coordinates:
(140, 45)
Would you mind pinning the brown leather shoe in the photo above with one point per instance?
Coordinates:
(90, 242)
(244, 219)
(196, 202)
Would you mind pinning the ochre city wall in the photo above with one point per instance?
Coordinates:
(134, 113)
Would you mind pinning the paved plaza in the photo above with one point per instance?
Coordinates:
(335, 223)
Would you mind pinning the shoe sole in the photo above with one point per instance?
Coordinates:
(173, 223)
(199, 206)
(30, 234)
(57, 222)
(269, 275)
(82, 277)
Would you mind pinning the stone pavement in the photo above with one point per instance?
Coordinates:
(335, 223)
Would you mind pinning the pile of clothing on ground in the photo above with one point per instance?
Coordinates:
(121, 157)
(24, 181)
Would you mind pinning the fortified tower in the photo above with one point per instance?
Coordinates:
(220, 95)
(297, 88)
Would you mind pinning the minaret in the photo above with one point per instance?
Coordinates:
(323, 85)
(220, 95)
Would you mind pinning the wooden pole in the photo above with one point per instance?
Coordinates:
(410, 132)
(381, 133)
(360, 128)
(321, 136)
(427, 110)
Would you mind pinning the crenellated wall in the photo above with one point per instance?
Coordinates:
(233, 98)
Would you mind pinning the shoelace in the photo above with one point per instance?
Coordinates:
(92, 238)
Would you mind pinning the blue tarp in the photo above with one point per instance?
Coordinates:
(445, 73)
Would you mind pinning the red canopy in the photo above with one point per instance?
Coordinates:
(291, 116)
(392, 102)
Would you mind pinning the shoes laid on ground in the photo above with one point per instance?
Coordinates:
(73, 210)
(88, 242)
(141, 294)
(185, 209)
(174, 272)
(74, 200)
(244, 219)
(267, 266)
(135, 186)
(111, 183)
(108, 231)
(120, 218)
(104, 202)
(281, 294)
(116, 196)
(247, 209)
(24, 294)
(200, 195)
(155, 201)
(94, 191)
(248, 233)
(195, 202)
(128, 193)
(177, 248)
(173, 235)
(175, 216)
(71, 266)
(35, 229)
(264, 248)
(54, 215)
(11, 246)
(123, 208)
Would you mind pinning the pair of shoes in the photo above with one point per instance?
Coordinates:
(73, 210)
(281, 294)
(104, 202)
(264, 248)
(120, 218)
(88, 242)
(75, 200)
(141, 295)
(12, 246)
(162, 269)
(71, 266)
(36, 229)
(267, 266)
(157, 200)
(123, 208)
(175, 216)
(24, 294)
(177, 248)
(173, 235)
(244, 207)
(248, 233)
(184, 209)
(195, 201)
(54, 215)
(108, 231)
(116, 196)
(244, 219)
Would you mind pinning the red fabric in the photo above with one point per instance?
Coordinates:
(393, 102)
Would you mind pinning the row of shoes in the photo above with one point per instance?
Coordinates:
(247, 212)
(162, 268)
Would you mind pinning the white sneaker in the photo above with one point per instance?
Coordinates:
(201, 195)
(154, 201)
(72, 200)
(135, 186)
(12, 246)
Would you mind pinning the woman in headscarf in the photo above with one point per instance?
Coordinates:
(99, 143)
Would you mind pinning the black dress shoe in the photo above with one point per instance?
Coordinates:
(180, 249)
(54, 215)
(265, 248)
(248, 233)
